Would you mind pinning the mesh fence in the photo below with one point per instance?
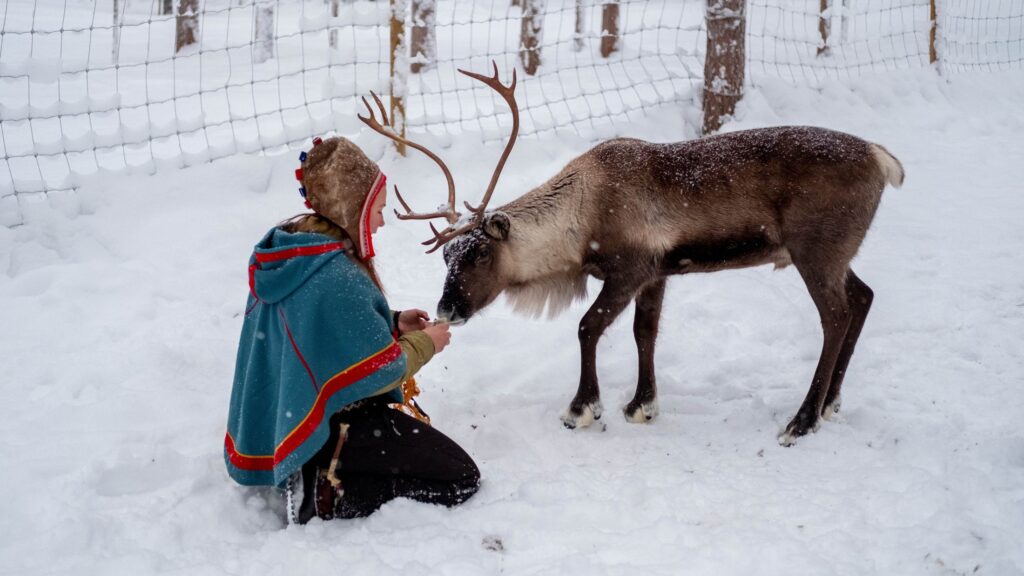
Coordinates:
(800, 42)
(659, 60)
(96, 86)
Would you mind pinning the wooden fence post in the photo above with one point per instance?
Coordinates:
(724, 60)
(397, 84)
(529, 51)
(609, 28)
(933, 54)
(844, 28)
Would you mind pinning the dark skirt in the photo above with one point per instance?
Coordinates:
(386, 454)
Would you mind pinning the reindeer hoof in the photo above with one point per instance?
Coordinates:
(799, 426)
(640, 413)
(830, 411)
(583, 417)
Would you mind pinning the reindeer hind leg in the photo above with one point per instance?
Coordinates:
(859, 297)
(826, 286)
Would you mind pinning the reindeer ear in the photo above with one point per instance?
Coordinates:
(497, 225)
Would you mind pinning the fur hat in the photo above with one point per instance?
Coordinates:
(341, 184)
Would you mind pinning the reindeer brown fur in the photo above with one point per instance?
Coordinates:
(633, 213)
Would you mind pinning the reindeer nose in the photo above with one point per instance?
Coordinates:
(450, 316)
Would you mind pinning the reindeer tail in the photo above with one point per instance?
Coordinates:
(890, 166)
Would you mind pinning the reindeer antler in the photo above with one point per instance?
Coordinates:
(443, 237)
(450, 214)
(508, 93)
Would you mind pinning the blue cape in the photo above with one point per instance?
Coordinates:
(317, 336)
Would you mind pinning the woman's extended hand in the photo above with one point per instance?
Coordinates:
(412, 320)
(440, 334)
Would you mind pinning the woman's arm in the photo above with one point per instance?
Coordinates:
(419, 347)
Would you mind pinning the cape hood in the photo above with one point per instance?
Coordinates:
(283, 261)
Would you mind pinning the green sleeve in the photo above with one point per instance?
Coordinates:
(419, 349)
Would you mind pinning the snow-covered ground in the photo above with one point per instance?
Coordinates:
(121, 308)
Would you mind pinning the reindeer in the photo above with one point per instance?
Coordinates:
(633, 213)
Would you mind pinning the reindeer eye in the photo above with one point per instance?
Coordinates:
(484, 254)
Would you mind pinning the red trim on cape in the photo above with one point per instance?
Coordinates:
(246, 461)
(305, 429)
(263, 257)
(295, 346)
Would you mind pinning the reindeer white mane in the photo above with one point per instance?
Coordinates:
(552, 294)
(544, 263)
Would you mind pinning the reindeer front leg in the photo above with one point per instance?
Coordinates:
(614, 297)
(644, 405)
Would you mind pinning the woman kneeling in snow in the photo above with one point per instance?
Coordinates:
(322, 359)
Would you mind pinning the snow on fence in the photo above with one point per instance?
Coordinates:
(95, 86)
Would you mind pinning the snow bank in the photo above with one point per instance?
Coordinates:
(120, 321)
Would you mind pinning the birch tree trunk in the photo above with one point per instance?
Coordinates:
(116, 44)
(186, 24)
(423, 41)
(332, 35)
(581, 16)
(824, 25)
(609, 28)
